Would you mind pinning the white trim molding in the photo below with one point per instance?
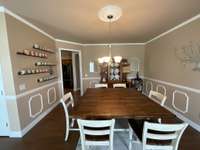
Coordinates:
(48, 95)
(20, 134)
(151, 84)
(13, 97)
(30, 107)
(27, 23)
(174, 85)
(91, 78)
(174, 28)
(69, 42)
(3, 9)
(80, 67)
(186, 104)
(115, 44)
(162, 87)
(181, 117)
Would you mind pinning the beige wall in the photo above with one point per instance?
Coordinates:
(92, 53)
(20, 37)
(162, 64)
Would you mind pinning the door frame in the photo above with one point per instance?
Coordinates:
(2, 94)
(80, 67)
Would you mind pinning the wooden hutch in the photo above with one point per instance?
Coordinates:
(114, 72)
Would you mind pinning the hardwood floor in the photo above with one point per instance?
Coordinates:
(49, 134)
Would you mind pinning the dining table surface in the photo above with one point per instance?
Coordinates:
(107, 103)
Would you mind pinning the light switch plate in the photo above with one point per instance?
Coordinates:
(22, 87)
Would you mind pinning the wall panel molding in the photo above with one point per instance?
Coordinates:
(48, 95)
(20, 134)
(174, 85)
(186, 102)
(12, 97)
(147, 84)
(30, 105)
(159, 86)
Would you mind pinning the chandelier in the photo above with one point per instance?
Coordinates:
(110, 14)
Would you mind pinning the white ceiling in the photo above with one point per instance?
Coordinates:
(77, 20)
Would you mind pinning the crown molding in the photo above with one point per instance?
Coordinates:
(3, 9)
(174, 28)
(114, 44)
(19, 18)
(69, 42)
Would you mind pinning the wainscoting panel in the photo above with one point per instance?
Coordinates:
(51, 91)
(34, 98)
(181, 100)
(186, 101)
(148, 84)
(162, 89)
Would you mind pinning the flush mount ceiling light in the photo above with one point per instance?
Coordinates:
(110, 10)
(109, 14)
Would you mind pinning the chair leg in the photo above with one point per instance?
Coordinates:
(72, 122)
(130, 137)
(66, 132)
(66, 135)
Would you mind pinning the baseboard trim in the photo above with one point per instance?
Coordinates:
(185, 119)
(20, 134)
(180, 116)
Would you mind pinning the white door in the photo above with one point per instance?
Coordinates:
(4, 128)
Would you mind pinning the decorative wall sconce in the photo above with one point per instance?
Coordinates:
(189, 54)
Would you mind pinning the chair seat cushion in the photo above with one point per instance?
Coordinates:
(138, 124)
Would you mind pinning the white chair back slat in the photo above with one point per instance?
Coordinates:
(96, 123)
(97, 143)
(100, 132)
(158, 96)
(96, 130)
(92, 83)
(67, 100)
(119, 85)
(152, 147)
(171, 132)
(161, 136)
(101, 85)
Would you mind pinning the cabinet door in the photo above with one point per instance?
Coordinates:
(4, 128)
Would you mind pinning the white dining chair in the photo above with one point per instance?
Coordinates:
(159, 133)
(157, 97)
(119, 85)
(101, 85)
(67, 101)
(92, 83)
(96, 128)
(162, 132)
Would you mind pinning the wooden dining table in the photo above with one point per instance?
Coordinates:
(118, 103)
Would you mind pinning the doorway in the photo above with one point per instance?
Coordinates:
(71, 70)
(67, 71)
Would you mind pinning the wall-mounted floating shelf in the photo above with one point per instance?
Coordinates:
(38, 47)
(33, 71)
(44, 79)
(44, 64)
(39, 56)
